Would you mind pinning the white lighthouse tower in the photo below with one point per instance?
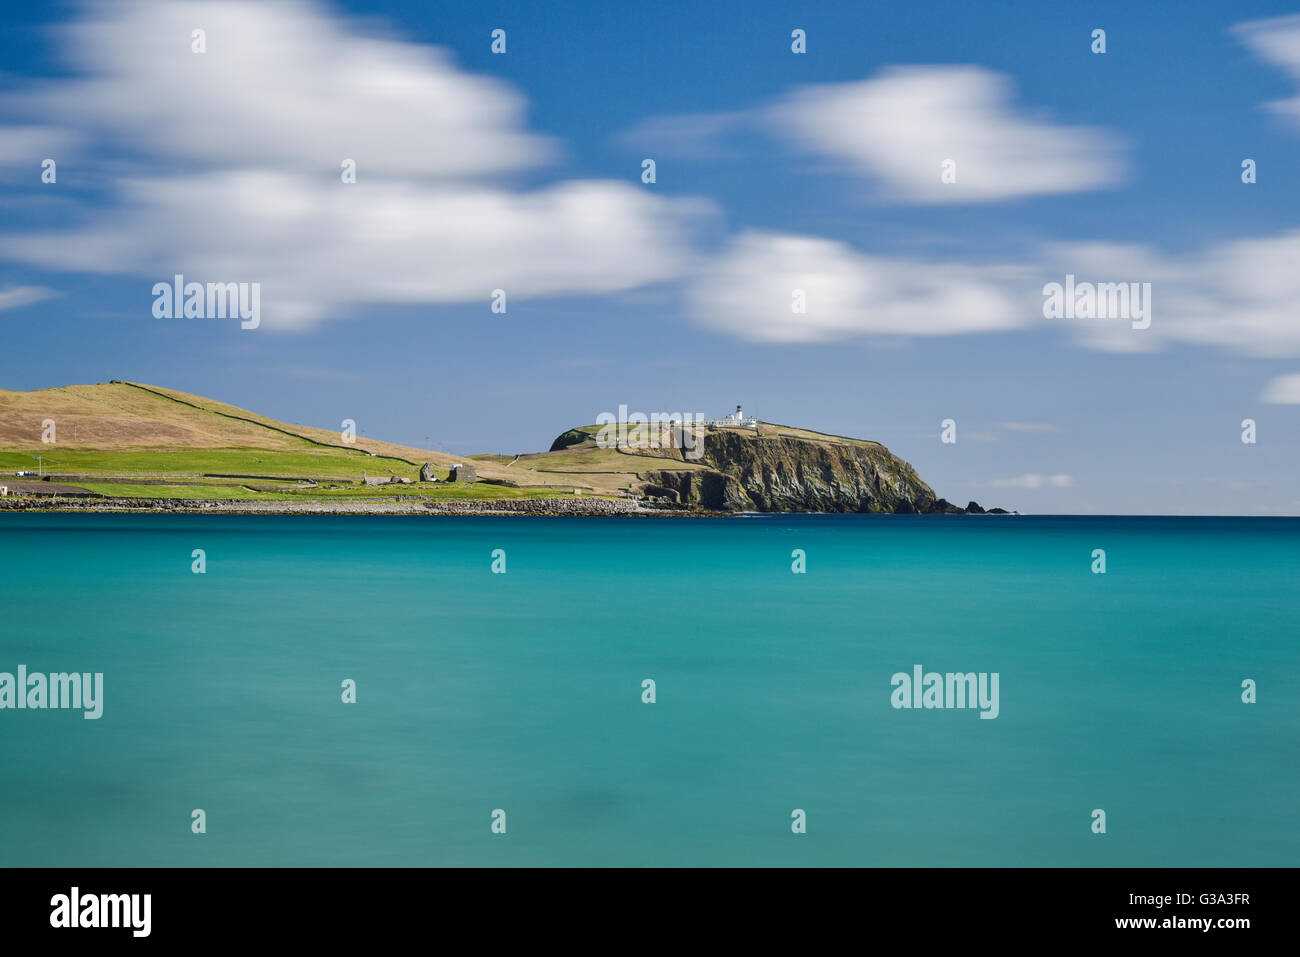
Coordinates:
(732, 418)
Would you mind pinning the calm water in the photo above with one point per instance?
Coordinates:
(522, 691)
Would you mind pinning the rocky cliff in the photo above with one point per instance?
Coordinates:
(784, 473)
(778, 469)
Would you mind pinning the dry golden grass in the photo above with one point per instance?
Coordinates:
(119, 415)
(144, 428)
(122, 417)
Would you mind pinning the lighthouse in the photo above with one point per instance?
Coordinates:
(732, 418)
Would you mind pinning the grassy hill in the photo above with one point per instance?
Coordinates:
(131, 440)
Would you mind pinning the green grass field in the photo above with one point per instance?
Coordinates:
(140, 441)
(118, 490)
(199, 462)
(434, 493)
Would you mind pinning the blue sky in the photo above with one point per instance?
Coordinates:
(774, 170)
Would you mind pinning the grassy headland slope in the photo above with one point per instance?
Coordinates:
(130, 440)
(121, 427)
(766, 468)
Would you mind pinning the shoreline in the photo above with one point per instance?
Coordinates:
(541, 507)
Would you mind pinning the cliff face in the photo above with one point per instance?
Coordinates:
(787, 473)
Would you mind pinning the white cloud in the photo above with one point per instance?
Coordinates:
(898, 127)
(282, 85)
(903, 124)
(251, 135)
(1277, 41)
(317, 247)
(224, 166)
(1239, 295)
(1028, 427)
(30, 145)
(749, 291)
(1033, 480)
(1282, 390)
(13, 297)
(691, 136)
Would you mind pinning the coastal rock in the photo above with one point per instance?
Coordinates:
(569, 438)
(746, 471)
(703, 488)
(942, 506)
(773, 471)
(659, 492)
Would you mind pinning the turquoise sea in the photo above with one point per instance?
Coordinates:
(523, 691)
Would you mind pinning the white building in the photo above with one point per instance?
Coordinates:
(735, 418)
